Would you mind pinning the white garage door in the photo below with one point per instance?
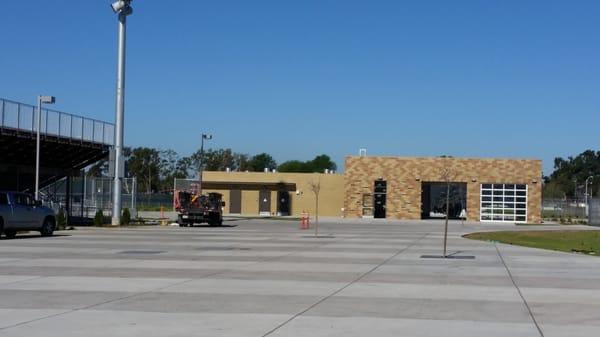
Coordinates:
(504, 202)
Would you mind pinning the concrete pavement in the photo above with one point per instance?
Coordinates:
(267, 278)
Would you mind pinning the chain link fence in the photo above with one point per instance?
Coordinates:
(88, 195)
(594, 219)
(187, 185)
(564, 210)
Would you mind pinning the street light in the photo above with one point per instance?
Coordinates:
(122, 6)
(45, 100)
(207, 137)
(587, 203)
(123, 9)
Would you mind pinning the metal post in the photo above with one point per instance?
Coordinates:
(587, 202)
(201, 165)
(2, 116)
(37, 150)
(132, 194)
(68, 198)
(84, 197)
(120, 101)
(207, 137)
(586, 198)
(447, 215)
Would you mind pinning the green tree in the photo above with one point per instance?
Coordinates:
(99, 218)
(126, 217)
(294, 166)
(569, 175)
(145, 165)
(242, 162)
(171, 167)
(215, 160)
(318, 164)
(321, 163)
(261, 161)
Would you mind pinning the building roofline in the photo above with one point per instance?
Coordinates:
(432, 157)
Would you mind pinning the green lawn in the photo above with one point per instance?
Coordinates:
(587, 242)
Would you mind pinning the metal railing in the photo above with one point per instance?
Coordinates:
(88, 195)
(23, 117)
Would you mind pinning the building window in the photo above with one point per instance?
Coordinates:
(503, 202)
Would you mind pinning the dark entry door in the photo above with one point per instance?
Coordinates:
(283, 203)
(379, 198)
(264, 202)
(235, 202)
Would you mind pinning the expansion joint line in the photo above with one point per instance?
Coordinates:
(346, 286)
(539, 329)
(138, 294)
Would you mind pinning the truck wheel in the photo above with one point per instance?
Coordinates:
(10, 233)
(47, 227)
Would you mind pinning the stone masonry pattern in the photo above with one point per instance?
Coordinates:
(405, 175)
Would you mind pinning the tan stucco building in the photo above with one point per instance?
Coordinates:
(506, 190)
(276, 193)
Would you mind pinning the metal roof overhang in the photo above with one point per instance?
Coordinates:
(256, 186)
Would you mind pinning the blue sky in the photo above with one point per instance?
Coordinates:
(296, 79)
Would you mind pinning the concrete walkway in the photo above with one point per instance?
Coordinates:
(267, 278)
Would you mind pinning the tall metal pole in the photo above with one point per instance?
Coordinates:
(120, 108)
(201, 168)
(37, 149)
(587, 199)
(201, 164)
(48, 100)
(586, 195)
(447, 215)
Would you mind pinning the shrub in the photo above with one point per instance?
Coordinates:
(126, 217)
(99, 218)
(61, 220)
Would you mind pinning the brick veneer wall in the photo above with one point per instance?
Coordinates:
(405, 175)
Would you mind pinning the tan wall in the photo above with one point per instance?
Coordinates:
(405, 175)
(331, 196)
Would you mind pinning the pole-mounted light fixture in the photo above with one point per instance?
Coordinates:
(201, 168)
(123, 9)
(41, 100)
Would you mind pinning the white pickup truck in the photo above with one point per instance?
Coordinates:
(20, 212)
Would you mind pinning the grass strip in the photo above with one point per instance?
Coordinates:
(584, 242)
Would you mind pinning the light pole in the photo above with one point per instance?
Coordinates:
(207, 137)
(123, 8)
(45, 100)
(587, 202)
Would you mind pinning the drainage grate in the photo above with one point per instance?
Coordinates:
(142, 252)
(454, 257)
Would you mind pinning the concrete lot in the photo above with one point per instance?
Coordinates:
(267, 278)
